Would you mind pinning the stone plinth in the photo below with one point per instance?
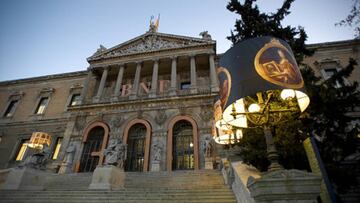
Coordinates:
(155, 166)
(209, 163)
(65, 168)
(290, 186)
(107, 178)
(25, 179)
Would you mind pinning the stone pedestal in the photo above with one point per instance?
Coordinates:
(107, 178)
(290, 186)
(155, 166)
(25, 179)
(65, 168)
(209, 163)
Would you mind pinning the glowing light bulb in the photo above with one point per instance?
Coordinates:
(254, 108)
(287, 94)
(191, 144)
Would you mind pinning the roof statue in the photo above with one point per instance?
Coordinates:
(154, 25)
(205, 35)
(101, 49)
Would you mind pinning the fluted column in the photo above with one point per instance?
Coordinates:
(118, 83)
(135, 87)
(154, 80)
(213, 77)
(193, 77)
(85, 86)
(101, 85)
(173, 76)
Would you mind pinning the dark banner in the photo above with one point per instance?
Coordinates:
(257, 65)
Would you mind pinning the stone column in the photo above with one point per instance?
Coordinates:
(213, 76)
(136, 81)
(173, 76)
(101, 85)
(154, 80)
(118, 83)
(193, 86)
(85, 86)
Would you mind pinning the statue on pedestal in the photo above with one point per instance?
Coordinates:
(208, 147)
(39, 159)
(157, 153)
(115, 154)
(69, 154)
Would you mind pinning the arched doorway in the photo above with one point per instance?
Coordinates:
(95, 141)
(137, 136)
(182, 144)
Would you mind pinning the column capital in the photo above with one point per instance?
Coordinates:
(192, 54)
(174, 57)
(139, 62)
(211, 52)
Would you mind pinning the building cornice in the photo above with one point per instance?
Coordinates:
(44, 78)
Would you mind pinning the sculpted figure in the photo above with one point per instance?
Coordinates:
(208, 147)
(38, 160)
(115, 153)
(205, 35)
(157, 152)
(122, 155)
(112, 153)
(69, 154)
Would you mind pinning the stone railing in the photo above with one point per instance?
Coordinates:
(203, 90)
(278, 186)
(235, 176)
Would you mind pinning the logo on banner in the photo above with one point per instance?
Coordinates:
(225, 85)
(276, 64)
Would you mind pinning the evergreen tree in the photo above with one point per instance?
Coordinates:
(330, 100)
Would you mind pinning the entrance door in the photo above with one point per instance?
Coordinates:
(183, 146)
(136, 148)
(90, 156)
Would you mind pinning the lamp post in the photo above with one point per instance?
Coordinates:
(260, 86)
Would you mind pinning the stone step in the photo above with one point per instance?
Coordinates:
(148, 187)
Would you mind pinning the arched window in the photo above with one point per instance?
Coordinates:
(136, 148)
(183, 146)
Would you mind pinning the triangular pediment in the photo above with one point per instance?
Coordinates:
(150, 42)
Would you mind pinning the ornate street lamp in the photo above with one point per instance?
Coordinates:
(261, 86)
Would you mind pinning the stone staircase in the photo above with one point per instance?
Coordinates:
(148, 187)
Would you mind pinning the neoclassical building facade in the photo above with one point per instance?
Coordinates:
(153, 92)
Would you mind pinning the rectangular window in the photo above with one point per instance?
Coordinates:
(22, 150)
(42, 105)
(75, 100)
(185, 85)
(57, 147)
(11, 108)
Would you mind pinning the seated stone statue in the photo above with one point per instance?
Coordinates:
(39, 159)
(115, 153)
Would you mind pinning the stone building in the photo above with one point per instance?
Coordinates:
(154, 90)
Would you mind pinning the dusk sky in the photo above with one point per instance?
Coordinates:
(42, 37)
